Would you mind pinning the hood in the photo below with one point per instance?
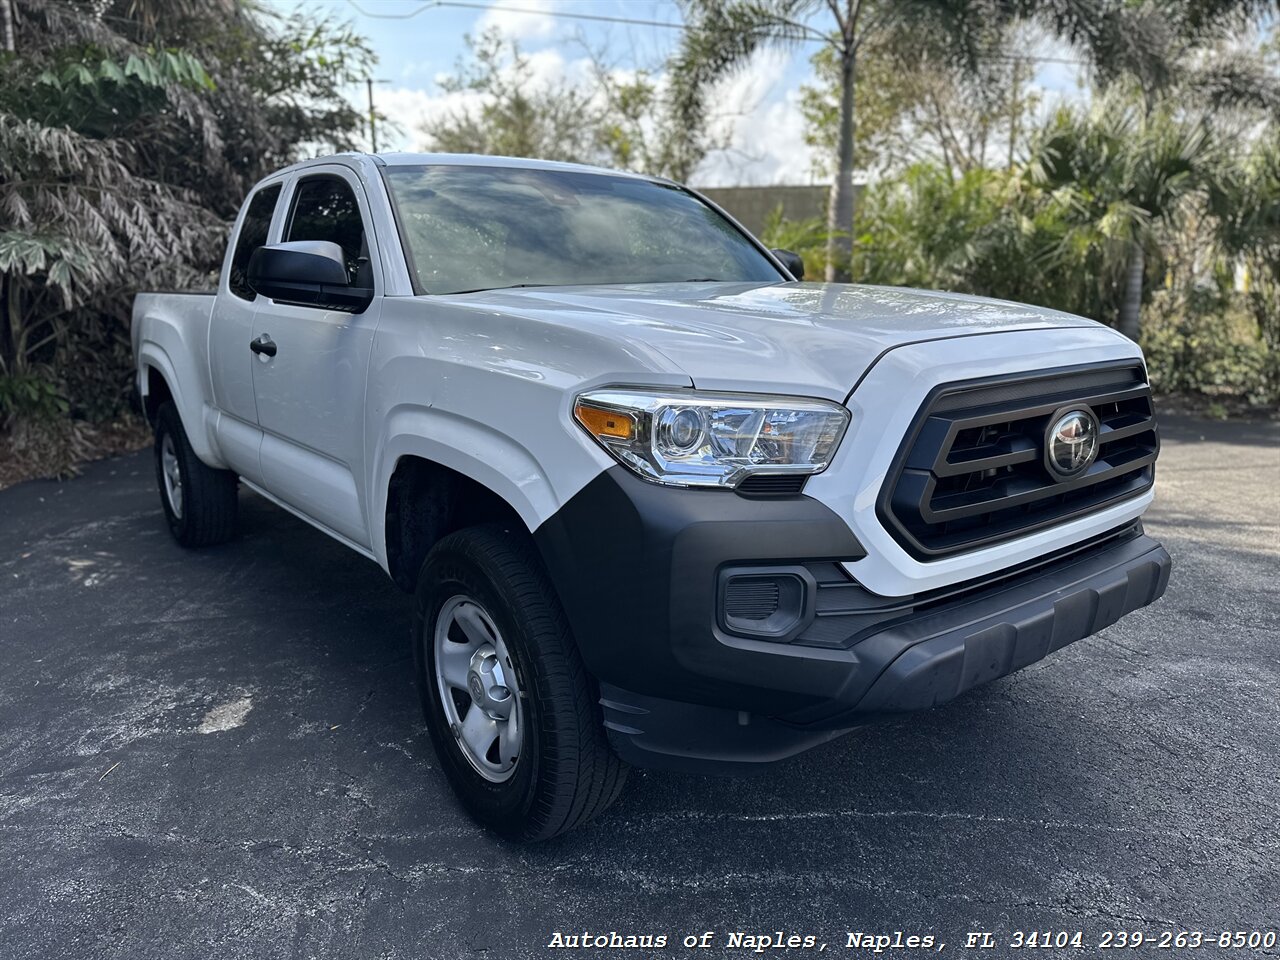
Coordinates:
(808, 339)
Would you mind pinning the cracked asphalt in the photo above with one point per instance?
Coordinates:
(220, 754)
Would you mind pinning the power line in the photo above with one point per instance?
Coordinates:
(1032, 58)
(474, 5)
(632, 21)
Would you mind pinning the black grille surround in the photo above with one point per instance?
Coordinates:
(971, 471)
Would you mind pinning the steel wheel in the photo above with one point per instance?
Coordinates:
(478, 688)
(172, 475)
(526, 750)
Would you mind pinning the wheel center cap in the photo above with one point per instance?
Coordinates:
(486, 681)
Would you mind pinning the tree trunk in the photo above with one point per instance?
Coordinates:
(1015, 108)
(12, 358)
(840, 207)
(6, 24)
(4, 316)
(1131, 303)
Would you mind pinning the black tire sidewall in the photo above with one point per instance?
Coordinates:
(168, 424)
(504, 807)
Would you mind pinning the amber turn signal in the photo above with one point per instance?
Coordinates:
(605, 423)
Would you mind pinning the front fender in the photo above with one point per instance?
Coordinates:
(484, 454)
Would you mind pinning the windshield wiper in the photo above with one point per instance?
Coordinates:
(509, 286)
(516, 286)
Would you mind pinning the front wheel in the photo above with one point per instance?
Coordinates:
(513, 714)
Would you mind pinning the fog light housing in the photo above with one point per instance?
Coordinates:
(765, 603)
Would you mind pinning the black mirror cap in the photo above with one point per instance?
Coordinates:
(299, 261)
(308, 272)
(792, 261)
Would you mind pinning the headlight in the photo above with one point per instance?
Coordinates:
(698, 439)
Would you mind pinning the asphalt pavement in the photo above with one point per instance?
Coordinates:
(220, 754)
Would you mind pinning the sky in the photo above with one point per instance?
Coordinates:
(418, 43)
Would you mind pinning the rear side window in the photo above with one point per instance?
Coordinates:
(253, 234)
(324, 208)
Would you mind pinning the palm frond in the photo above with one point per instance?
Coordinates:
(720, 38)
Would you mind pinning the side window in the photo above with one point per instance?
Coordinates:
(324, 208)
(253, 234)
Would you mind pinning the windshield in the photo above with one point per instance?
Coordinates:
(468, 228)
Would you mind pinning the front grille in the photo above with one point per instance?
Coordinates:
(971, 472)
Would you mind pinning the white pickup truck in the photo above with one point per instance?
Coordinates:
(660, 503)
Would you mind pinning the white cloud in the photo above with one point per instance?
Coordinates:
(762, 125)
(410, 107)
(1057, 80)
(548, 67)
(760, 122)
(530, 22)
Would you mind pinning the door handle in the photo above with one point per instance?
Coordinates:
(263, 345)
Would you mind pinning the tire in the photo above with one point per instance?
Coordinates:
(486, 587)
(201, 506)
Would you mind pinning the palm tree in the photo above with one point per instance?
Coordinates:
(1247, 205)
(1119, 38)
(1124, 175)
(722, 35)
(1139, 164)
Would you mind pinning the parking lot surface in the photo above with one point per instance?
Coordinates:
(219, 754)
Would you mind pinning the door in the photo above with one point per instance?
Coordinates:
(310, 392)
(230, 330)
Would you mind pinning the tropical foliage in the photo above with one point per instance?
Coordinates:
(1159, 44)
(129, 132)
(1114, 211)
(131, 129)
(1154, 207)
(915, 104)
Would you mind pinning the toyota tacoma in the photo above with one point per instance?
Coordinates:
(660, 502)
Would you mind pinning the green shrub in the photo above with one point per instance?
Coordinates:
(1216, 354)
(807, 237)
(30, 397)
(95, 371)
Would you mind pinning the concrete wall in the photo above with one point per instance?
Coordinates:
(751, 206)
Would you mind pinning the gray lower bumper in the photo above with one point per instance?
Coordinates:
(941, 660)
(915, 663)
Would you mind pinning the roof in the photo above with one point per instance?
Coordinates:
(399, 159)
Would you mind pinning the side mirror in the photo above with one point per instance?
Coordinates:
(792, 261)
(308, 272)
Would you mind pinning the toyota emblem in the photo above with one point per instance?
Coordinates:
(1071, 444)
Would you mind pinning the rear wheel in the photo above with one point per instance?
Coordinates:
(514, 716)
(199, 502)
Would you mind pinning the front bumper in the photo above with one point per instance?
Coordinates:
(638, 568)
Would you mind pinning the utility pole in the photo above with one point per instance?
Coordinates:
(373, 129)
